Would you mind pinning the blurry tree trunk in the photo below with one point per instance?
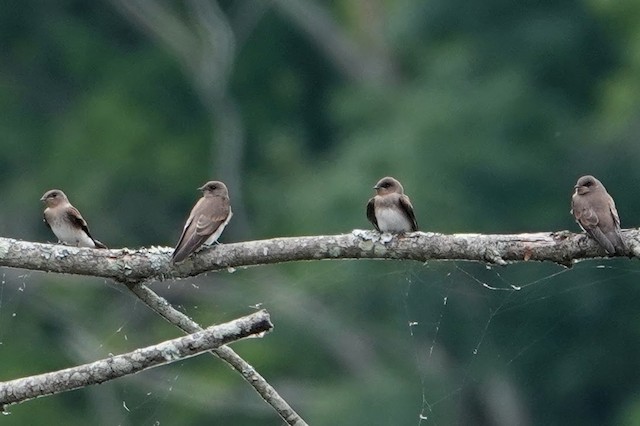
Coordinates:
(363, 57)
(201, 38)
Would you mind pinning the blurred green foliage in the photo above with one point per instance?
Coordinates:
(497, 108)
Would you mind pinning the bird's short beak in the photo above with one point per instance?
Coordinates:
(42, 198)
(576, 187)
(200, 189)
(376, 187)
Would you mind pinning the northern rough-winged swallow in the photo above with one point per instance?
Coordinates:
(206, 222)
(390, 210)
(66, 222)
(596, 213)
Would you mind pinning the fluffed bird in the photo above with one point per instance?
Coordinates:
(595, 211)
(206, 222)
(390, 210)
(66, 222)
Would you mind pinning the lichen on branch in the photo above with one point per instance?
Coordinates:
(138, 265)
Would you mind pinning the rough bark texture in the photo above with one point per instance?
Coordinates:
(16, 391)
(132, 266)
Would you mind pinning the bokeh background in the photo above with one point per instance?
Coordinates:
(487, 111)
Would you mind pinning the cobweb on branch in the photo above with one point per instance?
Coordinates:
(476, 330)
(440, 343)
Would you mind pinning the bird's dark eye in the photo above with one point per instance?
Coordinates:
(588, 183)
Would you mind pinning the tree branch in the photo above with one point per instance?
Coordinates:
(133, 266)
(20, 390)
(163, 308)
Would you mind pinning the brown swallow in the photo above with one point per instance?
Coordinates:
(206, 222)
(596, 213)
(66, 222)
(390, 210)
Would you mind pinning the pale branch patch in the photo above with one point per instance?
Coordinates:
(24, 389)
(163, 308)
(138, 265)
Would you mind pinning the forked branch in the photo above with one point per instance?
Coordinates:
(163, 308)
(136, 266)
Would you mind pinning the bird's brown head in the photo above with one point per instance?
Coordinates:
(388, 185)
(587, 184)
(53, 197)
(214, 188)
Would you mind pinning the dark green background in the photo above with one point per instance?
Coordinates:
(488, 113)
